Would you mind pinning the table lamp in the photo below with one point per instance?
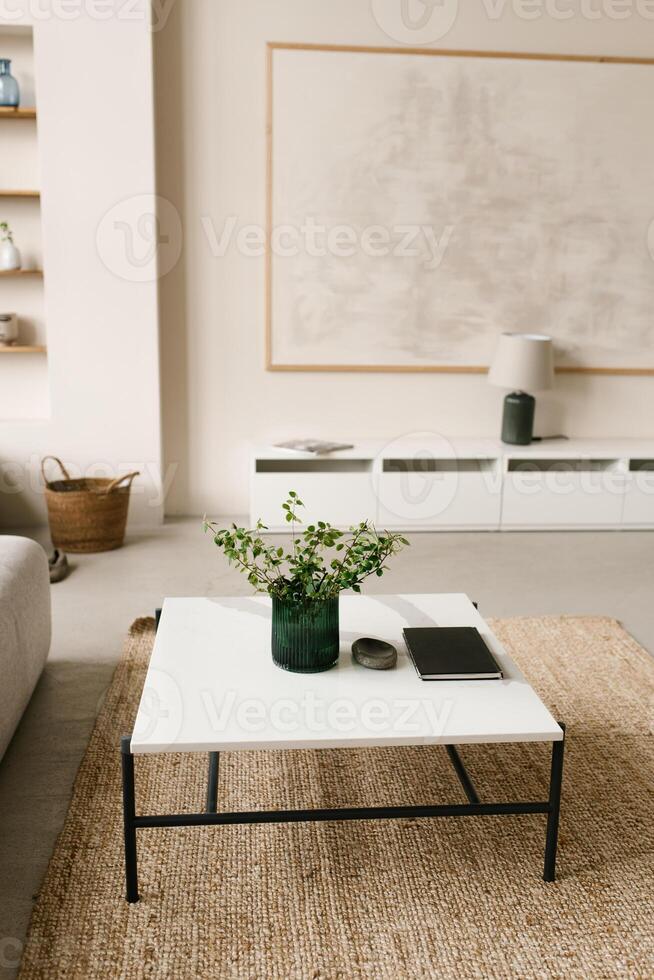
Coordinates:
(523, 362)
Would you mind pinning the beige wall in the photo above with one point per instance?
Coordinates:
(210, 120)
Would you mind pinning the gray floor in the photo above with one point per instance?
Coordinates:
(608, 573)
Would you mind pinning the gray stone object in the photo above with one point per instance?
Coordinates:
(375, 654)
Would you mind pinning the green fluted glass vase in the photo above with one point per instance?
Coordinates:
(305, 634)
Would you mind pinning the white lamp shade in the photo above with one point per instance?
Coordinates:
(523, 362)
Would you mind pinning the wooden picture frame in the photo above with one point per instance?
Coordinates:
(420, 368)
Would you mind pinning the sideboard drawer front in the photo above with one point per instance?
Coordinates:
(341, 498)
(465, 497)
(551, 493)
(639, 498)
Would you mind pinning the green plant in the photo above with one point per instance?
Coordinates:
(6, 232)
(321, 562)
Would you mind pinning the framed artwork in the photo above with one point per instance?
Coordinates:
(421, 202)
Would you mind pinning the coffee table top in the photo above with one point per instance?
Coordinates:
(212, 686)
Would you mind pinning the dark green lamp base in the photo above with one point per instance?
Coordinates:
(518, 418)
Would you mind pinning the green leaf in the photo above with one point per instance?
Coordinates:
(310, 572)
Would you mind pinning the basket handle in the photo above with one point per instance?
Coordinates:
(121, 479)
(59, 464)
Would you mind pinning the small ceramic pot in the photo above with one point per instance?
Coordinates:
(8, 328)
(9, 257)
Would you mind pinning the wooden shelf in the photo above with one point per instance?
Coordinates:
(20, 193)
(20, 272)
(18, 349)
(6, 112)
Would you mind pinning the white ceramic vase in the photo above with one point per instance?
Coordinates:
(8, 329)
(9, 257)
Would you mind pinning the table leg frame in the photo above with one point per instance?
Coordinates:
(212, 783)
(210, 817)
(129, 821)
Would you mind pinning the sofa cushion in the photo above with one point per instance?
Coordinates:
(24, 627)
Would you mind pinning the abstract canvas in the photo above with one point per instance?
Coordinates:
(422, 202)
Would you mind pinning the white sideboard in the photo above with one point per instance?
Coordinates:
(463, 484)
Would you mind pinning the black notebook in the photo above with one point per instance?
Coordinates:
(450, 653)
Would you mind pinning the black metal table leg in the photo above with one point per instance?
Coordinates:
(129, 820)
(462, 774)
(556, 779)
(212, 783)
(211, 816)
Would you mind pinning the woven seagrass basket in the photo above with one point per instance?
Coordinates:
(88, 514)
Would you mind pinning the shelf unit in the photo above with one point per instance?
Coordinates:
(463, 484)
(24, 388)
(23, 349)
(6, 112)
(13, 273)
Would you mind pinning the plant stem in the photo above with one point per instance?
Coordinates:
(336, 571)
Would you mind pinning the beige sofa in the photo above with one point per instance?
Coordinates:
(24, 627)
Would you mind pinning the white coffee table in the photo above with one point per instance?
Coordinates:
(212, 687)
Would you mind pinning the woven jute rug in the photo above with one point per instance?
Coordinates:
(406, 898)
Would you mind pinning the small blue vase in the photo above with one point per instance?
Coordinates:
(9, 92)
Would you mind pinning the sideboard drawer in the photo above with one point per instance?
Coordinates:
(563, 493)
(340, 492)
(440, 493)
(639, 498)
